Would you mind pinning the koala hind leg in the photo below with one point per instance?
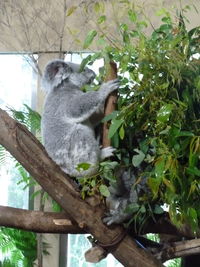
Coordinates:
(107, 152)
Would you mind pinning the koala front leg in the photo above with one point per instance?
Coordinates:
(89, 103)
(107, 88)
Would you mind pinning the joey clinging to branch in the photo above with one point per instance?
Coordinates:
(70, 116)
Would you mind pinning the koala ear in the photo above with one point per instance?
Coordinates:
(55, 72)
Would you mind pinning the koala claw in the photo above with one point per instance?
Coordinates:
(110, 86)
(108, 220)
(113, 84)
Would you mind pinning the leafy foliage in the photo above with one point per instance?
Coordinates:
(156, 128)
(20, 246)
(31, 119)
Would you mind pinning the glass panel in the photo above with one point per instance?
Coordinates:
(16, 82)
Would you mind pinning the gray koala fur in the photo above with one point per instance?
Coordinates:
(68, 119)
(122, 194)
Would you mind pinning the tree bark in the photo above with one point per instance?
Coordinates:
(32, 155)
(179, 249)
(38, 221)
(60, 222)
(110, 106)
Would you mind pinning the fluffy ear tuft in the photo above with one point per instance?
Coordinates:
(55, 73)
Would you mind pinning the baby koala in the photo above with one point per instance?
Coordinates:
(70, 116)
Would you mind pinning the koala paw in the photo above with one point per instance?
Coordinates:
(107, 152)
(113, 84)
(116, 218)
(110, 86)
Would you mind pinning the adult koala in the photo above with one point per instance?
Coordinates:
(70, 116)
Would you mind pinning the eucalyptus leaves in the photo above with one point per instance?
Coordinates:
(156, 128)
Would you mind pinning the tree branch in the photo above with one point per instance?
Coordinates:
(38, 221)
(32, 155)
(60, 222)
(179, 249)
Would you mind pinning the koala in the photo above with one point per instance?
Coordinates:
(71, 115)
(123, 193)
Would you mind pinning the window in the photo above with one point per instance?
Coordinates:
(16, 83)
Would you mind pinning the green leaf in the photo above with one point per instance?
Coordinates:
(185, 133)
(167, 20)
(115, 140)
(142, 209)
(110, 116)
(166, 28)
(93, 183)
(144, 146)
(154, 185)
(160, 166)
(83, 166)
(193, 218)
(158, 209)
(164, 113)
(162, 11)
(101, 19)
(89, 38)
(169, 185)
(104, 190)
(90, 59)
(97, 7)
(193, 171)
(84, 63)
(115, 124)
(132, 208)
(121, 132)
(137, 159)
(132, 16)
(71, 10)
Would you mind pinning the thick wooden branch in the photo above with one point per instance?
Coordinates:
(179, 249)
(38, 221)
(163, 225)
(60, 222)
(32, 155)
